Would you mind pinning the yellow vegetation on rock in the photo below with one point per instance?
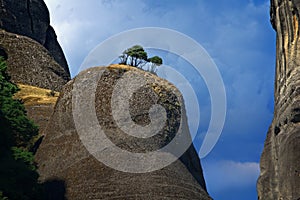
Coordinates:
(31, 95)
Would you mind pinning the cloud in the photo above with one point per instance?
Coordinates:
(81, 26)
(228, 175)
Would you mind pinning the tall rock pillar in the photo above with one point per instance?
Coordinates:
(280, 161)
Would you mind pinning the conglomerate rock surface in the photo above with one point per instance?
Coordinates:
(62, 157)
(31, 18)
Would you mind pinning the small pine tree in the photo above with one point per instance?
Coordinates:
(134, 56)
(137, 57)
(154, 62)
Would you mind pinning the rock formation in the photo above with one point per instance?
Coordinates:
(66, 167)
(33, 56)
(30, 63)
(280, 160)
(39, 103)
(31, 18)
(63, 157)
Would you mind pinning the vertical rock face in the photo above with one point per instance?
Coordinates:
(280, 161)
(62, 155)
(31, 18)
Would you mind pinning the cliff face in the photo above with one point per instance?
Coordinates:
(30, 63)
(63, 157)
(280, 161)
(39, 103)
(31, 18)
(33, 56)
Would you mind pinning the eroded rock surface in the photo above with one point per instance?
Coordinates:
(62, 155)
(280, 161)
(31, 18)
(30, 63)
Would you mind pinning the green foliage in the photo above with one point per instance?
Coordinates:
(137, 57)
(18, 176)
(7, 89)
(18, 180)
(3, 197)
(134, 56)
(25, 156)
(6, 139)
(154, 62)
(13, 110)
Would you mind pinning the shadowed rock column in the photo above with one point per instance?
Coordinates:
(280, 161)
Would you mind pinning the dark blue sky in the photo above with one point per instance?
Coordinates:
(238, 36)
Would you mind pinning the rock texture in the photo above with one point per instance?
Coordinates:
(63, 157)
(280, 161)
(31, 18)
(39, 104)
(30, 63)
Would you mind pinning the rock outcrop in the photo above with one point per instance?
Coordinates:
(29, 45)
(62, 155)
(31, 18)
(30, 63)
(280, 160)
(39, 104)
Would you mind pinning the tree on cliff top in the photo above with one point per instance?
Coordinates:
(137, 57)
(154, 62)
(134, 56)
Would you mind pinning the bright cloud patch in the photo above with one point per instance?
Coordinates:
(228, 175)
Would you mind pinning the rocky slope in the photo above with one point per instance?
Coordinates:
(31, 18)
(63, 158)
(39, 103)
(30, 63)
(280, 161)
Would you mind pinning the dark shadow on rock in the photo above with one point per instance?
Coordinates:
(3, 53)
(192, 162)
(36, 144)
(55, 190)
